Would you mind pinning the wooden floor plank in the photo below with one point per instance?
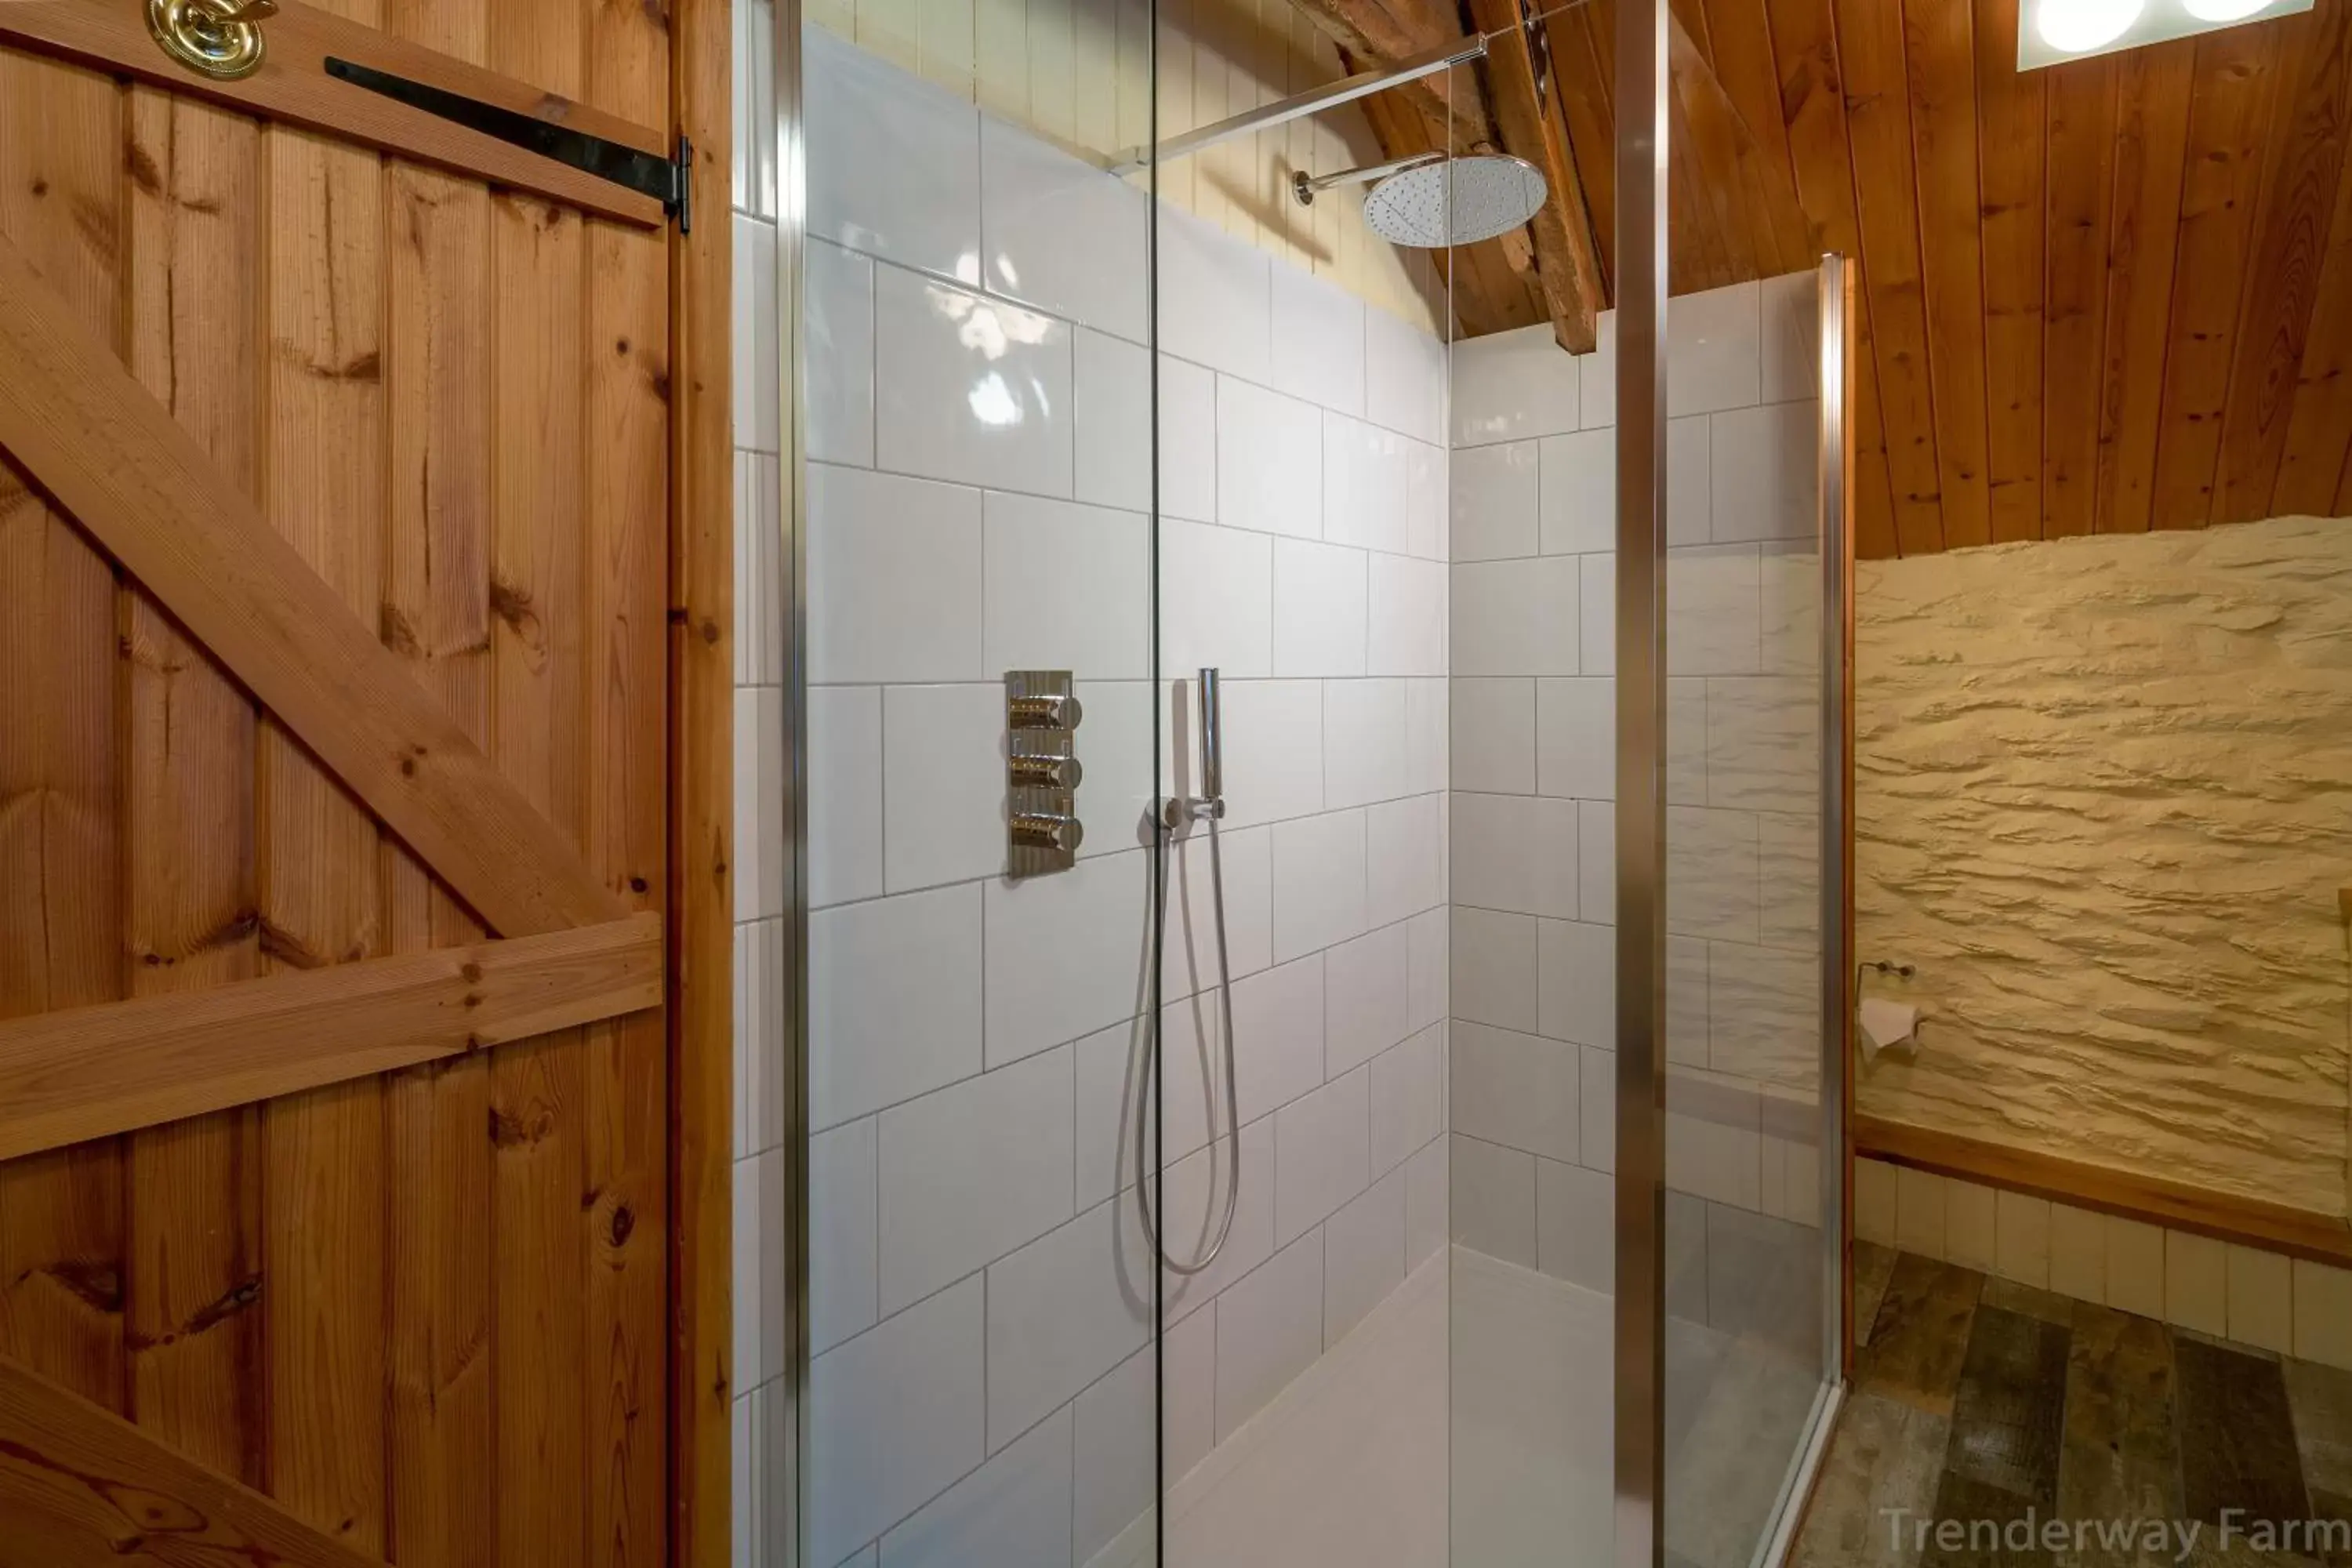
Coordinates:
(1878, 1482)
(1873, 1266)
(1921, 1341)
(2122, 1459)
(2237, 1437)
(2321, 1400)
(2009, 1417)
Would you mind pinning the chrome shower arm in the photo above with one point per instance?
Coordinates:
(1315, 101)
(1304, 185)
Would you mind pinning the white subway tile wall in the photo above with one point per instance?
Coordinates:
(1534, 757)
(978, 500)
(2250, 1294)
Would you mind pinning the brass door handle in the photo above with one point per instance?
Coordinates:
(216, 38)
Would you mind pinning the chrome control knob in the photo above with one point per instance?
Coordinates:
(1048, 830)
(1050, 713)
(1047, 772)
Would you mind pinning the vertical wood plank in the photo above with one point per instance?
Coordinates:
(701, 708)
(1713, 148)
(1053, 97)
(1940, 56)
(438, 316)
(2011, 137)
(1886, 199)
(1813, 98)
(1094, 67)
(890, 29)
(539, 679)
(2319, 429)
(1137, 19)
(1875, 534)
(943, 35)
(2082, 148)
(1000, 45)
(2282, 284)
(1175, 102)
(1741, 36)
(2238, 71)
(1298, 142)
(324, 1199)
(1581, 79)
(624, 1202)
(194, 1266)
(2152, 89)
(61, 1242)
(1212, 85)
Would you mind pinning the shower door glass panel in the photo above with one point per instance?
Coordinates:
(1302, 554)
(975, 393)
(1746, 1247)
(1532, 1034)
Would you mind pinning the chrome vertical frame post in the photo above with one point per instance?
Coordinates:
(1642, 256)
(1837, 936)
(779, 1493)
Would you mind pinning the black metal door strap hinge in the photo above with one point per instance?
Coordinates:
(668, 182)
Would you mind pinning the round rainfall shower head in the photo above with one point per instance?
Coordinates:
(1489, 194)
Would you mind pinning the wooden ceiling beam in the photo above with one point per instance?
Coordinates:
(1370, 36)
(1567, 264)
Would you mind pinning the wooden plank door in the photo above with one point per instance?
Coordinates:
(362, 850)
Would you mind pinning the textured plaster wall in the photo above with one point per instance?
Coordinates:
(2104, 801)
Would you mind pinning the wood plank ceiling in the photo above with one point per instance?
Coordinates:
(2111, 296)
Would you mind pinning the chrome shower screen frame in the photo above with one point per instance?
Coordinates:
(1642, 76)
(1639, 1469)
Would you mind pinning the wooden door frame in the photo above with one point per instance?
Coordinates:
(702, 800)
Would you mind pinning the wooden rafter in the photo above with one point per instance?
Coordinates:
(82, 1488)
(117, 461)
(1566, 264)
(92, 1072)
(1370, 36)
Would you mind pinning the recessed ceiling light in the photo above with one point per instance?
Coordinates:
(2063, 30)
(2072, 27)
